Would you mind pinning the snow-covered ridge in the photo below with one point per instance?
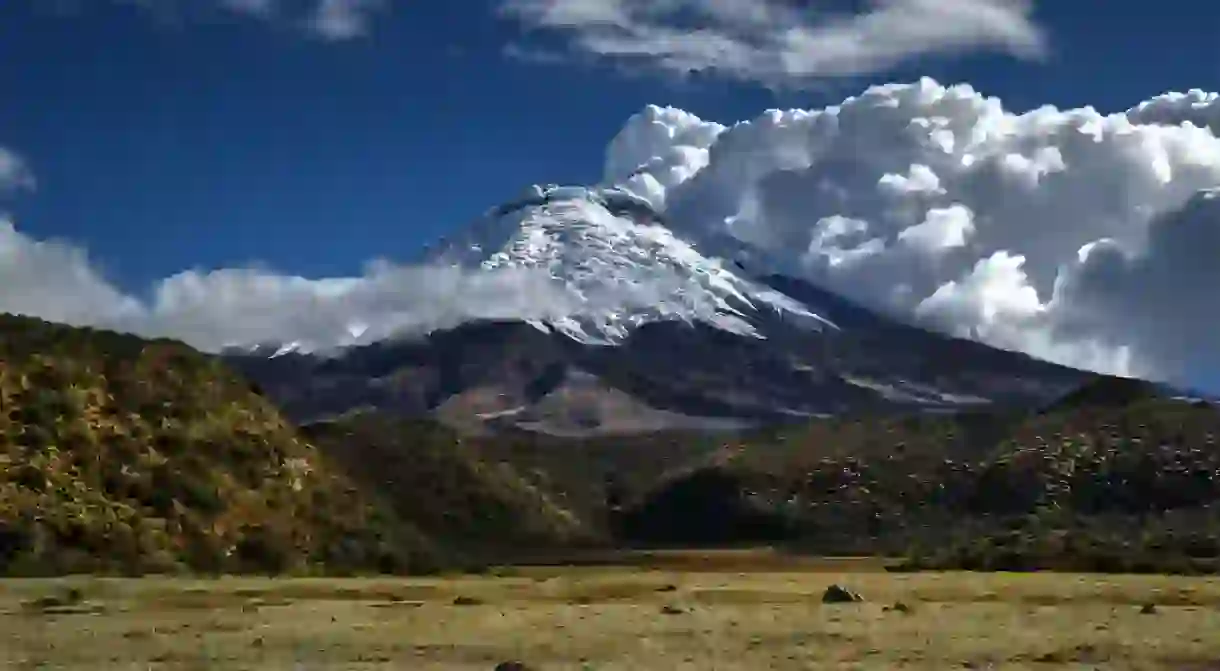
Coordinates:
(612, 253)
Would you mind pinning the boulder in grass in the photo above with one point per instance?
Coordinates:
(840, 594)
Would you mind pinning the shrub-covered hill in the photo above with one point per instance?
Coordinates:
(446, 486)
(121, 454)
(1108, 476)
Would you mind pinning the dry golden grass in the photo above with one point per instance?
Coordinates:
(611, 619)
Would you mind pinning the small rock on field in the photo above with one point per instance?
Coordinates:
(840, 594)
(671, 609)
(899, 607)
(513, 666)
(1148, 609)
(467, 601)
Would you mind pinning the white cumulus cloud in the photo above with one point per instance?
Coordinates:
(779, 42)
(56, 280)
(1077, 236)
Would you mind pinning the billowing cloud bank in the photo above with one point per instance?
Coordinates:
(1083, 238)
(1079, 237)
(239, 307)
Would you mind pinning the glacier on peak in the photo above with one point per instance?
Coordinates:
(612, 252)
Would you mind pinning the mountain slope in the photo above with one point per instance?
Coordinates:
(128, 455)
(435, 482)
(1094, 482)
(662, 375)
(122, 455)
(645, 330)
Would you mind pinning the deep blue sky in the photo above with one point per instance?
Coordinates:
(161, 146)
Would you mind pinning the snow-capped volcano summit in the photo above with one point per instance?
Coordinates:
(908, 205)
(626, 323)
(933, 205)
(618, 264)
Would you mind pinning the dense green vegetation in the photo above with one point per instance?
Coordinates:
(482, 510)
(1112, 478)
(135, 456)
(125, 455)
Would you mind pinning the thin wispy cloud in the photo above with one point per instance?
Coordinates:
(15, 174)
(339, 20)
(775, 41)
(327, 20)
(260, 8)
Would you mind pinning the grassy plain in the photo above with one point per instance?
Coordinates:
(728, 611)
